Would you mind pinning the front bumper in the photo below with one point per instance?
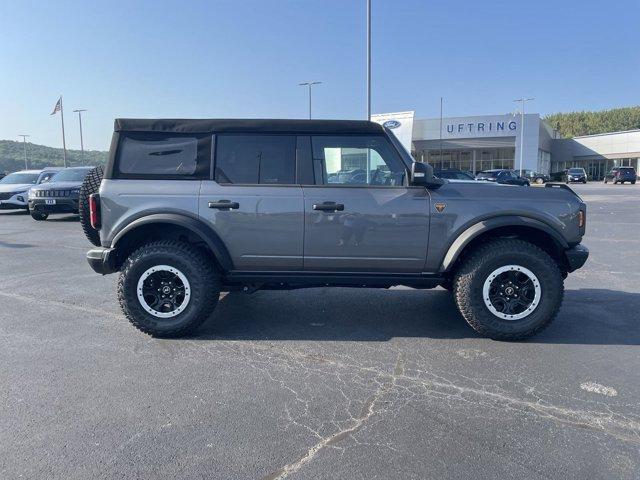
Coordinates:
(15, 202)
(575, 257)
(62, 205)
(102, 260)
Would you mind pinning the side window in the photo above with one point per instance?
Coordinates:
(158, 155)
(357, 160)
(255, 159)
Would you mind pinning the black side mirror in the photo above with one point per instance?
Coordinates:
(422, 175)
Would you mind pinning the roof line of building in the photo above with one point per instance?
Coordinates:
(607, 133)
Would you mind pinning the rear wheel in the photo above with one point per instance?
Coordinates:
(508, 289)
(39, 216)
(90, 185)
(539, 181)
(168, 288)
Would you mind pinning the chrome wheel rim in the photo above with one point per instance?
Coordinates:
(163, 291)
(511, 292)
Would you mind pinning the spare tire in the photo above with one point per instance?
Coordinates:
(90, 185)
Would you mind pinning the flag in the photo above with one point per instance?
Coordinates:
(58, 106)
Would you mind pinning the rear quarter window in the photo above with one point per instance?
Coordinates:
(157, 155)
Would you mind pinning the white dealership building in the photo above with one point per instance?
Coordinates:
(495, 141)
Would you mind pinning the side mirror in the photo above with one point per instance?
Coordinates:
(422, 175)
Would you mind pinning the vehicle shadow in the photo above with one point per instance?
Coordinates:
(66, 218)
(588, 316)
(10, 213)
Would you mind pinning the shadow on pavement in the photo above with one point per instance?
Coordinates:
(588, 316)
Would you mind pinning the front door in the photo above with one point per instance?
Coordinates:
(253, 203)
(360, 215)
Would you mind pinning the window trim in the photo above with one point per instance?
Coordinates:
(392, 148)
(214, 159)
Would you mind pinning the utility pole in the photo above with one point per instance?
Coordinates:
(80, 110)
(309, 84)
(24, 143)
(522, 101)
(441, 163)
(368, 59)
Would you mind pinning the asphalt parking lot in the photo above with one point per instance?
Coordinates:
(321, 383)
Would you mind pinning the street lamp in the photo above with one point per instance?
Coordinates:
(309, 84)
(368, 59)
(522, 101)
(24, 143)
(80, 110)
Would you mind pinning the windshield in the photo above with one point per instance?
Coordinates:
(576, 170)
(20, 178)
(70, 175)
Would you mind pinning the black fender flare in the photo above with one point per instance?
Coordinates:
(198, 227)
(483, 226)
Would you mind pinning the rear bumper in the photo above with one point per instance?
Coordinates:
(576, 257)
(102, 260)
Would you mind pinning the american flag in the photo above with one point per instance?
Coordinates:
(58, 106)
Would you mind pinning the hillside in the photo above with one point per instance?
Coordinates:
(39, 156)
(574, 124)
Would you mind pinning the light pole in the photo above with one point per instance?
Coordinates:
(309, 84)
(24, 143)
(522, 101)
(80, 110)
(368, 59)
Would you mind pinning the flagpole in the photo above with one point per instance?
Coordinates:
(64, 143)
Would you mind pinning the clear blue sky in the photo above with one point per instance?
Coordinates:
(244, 58)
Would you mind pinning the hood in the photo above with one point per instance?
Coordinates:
(58, 185)
(15, 187)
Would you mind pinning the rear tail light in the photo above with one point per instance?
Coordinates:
(580, 219)
(94, 211)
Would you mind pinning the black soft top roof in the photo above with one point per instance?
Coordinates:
(178, 125)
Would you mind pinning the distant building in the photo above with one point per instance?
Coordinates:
(494, 141)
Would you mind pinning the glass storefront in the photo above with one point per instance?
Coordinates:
(471, 160)
(596, 168)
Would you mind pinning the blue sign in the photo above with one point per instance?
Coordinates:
(391, 124)
(481, 127)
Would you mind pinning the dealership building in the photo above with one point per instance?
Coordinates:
(495, 141)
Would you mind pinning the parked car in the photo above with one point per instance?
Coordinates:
(503, 176)
(535, 177)
(182, 221)
(59, 194)
(453, 174)
(621, 175)
(576, 174)
(14, 188)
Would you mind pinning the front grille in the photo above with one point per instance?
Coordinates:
(6, 196)
(53, 193)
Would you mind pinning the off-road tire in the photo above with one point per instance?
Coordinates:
(199, 271)
(90, 185)
(39, 216)
(480, 263)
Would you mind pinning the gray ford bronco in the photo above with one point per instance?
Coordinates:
(186, 209)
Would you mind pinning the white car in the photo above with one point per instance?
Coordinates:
(14, 188)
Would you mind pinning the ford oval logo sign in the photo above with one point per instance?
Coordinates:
(391, 124)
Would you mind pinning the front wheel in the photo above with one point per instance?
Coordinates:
(508, 289)
(168, 288)
(539, 181)
(39, 216)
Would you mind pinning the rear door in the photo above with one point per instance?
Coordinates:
(360, 215)
(253, 201)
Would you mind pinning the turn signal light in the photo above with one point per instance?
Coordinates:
(94, 211)
(580, 218)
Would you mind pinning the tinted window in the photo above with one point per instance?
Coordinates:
(71, 175)
(357, 160)
(576, 170)
(255, 159)
(163, 155)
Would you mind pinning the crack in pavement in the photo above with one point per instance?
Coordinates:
(368, 410)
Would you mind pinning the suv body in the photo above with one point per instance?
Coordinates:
(59, 194)
(576, 174)
(621, 175)
(504, 176)
(535, 177)
(200, 206)
(454, 174)
(14, 188)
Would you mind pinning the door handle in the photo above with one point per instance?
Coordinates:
(224, 205)
(329, 207)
